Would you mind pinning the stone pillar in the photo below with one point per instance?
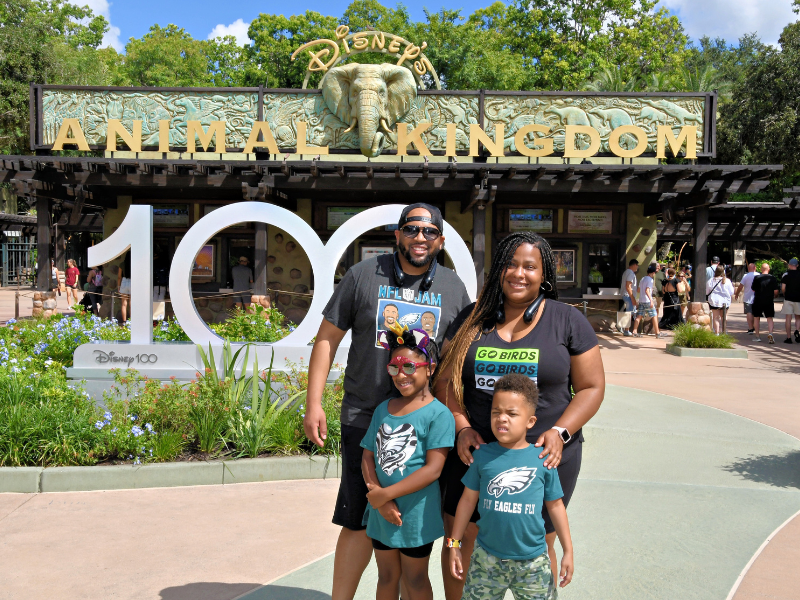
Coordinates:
(700, 245)
(479, 243)
(43, 241)
(260, 262)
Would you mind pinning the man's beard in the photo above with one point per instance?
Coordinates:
(417, 262)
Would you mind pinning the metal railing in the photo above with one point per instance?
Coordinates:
(19, 263)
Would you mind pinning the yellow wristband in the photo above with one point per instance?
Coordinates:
(451, 543)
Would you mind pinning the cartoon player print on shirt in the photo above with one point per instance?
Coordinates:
(390, 314)
(428, 322)
(513, 481)
(395, 447)
(411, 315)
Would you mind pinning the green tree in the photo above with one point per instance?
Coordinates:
(612, 80)
(227, 61)
(275, 38)
(43, 42)
(565, 43)
(761, 124)
(167, 57)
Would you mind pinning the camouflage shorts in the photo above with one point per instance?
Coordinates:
(489, 577)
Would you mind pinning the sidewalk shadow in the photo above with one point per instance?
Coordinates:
(207, 590)
(779, 470)
(282, 592)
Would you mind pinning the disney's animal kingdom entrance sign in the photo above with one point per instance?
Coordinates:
(374, 109)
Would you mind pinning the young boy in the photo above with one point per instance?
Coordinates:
(511, 482)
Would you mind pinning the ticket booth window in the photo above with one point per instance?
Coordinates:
(603, 266)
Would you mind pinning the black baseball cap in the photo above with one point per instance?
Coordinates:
(715, 260)
(435, 218)
(652, 269)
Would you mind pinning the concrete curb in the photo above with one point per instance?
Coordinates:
(29, 480)
(706, 352)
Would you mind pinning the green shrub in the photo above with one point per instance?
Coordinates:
(689, 335)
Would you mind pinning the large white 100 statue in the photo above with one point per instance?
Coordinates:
(136, 234)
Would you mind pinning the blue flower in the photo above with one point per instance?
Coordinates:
(99, 425)
(136, 431)
(106, 415)
(11, 321)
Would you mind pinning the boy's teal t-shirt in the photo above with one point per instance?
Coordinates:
(400, 444)
(513, 485)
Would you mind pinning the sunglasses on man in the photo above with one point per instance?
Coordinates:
(408, 367)
(429, 233)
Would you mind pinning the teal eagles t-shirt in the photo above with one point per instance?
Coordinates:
(400, 444)
(513, 485)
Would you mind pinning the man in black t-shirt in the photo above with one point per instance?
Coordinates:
(371, 296)
(765, 287)
(790, 287)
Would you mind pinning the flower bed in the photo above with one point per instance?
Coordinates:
(45, 422)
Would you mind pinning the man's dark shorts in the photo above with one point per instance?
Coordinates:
(352, 500)
(748, 308)
(764, 309)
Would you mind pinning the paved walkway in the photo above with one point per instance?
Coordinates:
(26, 303)
(675, 498)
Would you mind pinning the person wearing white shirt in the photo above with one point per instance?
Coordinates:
(647, 307)
(746, 285)
(720, 292)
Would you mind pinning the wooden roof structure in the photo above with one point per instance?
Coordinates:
(82, 183)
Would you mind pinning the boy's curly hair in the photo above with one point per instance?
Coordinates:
(519, 384)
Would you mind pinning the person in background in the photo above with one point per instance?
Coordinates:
(746, 286)
(712, 269)
(54, 283)
(595, 278)
(659, 277)
(95, 279)
(790, 287)
(242, 282)
(646, 307)
(72, 282)
(672, 302)
(627, 289)
(765, 287)
(124, 288)
(684, 289)
(719, 291)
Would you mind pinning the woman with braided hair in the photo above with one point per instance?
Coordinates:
(518, 326)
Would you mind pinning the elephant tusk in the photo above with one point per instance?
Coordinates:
(353, 124)
(385, 126)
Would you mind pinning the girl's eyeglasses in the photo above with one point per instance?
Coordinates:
(429, 233)
(408, 367)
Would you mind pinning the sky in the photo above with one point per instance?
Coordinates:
(728, 19)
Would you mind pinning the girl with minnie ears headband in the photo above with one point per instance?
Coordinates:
(404, 452)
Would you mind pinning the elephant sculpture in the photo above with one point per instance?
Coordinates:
(370, 97)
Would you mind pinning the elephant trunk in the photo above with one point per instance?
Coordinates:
(369, 117)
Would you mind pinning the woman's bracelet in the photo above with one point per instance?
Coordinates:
(460, 430)
(450, 542)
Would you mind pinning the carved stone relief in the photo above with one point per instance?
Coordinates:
(94, 108)
(604, 113)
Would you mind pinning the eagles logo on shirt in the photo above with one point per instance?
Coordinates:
(395, 447)
(513, 481)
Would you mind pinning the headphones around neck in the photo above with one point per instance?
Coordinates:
(530, 312)
(400, 275)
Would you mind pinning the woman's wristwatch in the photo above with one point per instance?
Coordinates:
(562, 431)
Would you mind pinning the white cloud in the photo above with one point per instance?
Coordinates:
(730, 19)
(102, 7)
(237, 29)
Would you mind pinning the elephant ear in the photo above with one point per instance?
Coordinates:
(401, 90)
(336, 90)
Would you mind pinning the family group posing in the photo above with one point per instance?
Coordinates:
(464, 425)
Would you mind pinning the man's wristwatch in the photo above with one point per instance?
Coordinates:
(562, 431)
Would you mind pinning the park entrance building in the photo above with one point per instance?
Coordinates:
(603, 176)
